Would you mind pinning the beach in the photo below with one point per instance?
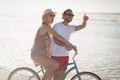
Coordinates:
(4, 74)
(98, 44)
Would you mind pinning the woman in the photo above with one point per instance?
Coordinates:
(42, 42)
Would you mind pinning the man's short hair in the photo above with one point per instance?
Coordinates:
(66, 11)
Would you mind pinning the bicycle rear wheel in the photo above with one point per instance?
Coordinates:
(23, 73)
(86, 76)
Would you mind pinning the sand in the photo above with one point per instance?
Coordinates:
(4, 74)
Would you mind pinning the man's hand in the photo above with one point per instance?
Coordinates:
(85, 18)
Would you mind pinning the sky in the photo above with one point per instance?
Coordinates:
(34, 6)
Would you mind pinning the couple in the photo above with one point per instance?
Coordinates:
(55, 42)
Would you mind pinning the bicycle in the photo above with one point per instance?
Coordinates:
(30, 74)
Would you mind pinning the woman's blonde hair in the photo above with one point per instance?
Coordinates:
(45, 19)
(45, 15)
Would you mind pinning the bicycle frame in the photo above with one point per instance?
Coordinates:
(41, 70)
(66, 73)
(71, 69)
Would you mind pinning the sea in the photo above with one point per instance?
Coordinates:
(98, 43)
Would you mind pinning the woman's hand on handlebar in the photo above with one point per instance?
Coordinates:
(69, 48)
(75, 49)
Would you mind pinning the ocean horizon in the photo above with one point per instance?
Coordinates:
(93, 15)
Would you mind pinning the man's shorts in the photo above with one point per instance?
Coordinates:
(62, 60)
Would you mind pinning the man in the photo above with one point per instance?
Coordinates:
(58, 51)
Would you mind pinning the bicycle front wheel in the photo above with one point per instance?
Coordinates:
(86, 76)
(23, 73)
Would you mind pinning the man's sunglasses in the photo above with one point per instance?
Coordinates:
(70, 15)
